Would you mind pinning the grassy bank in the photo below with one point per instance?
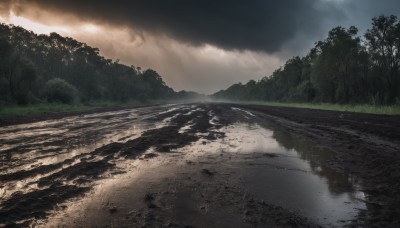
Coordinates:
(14, 110)
(385, 110)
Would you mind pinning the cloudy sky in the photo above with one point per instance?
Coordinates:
(200, 45)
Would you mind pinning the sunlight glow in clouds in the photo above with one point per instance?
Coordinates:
(90, 28)
(40, 28)
(37, 27)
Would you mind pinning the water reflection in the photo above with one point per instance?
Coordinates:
(317, 156)
(318, 159)
(297, 176)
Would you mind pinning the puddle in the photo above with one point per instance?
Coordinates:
(125, 192)
(286, 171)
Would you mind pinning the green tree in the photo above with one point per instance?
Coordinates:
(337, 67)
(383, 43)
(58, 90)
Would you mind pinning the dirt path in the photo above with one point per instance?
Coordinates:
(202, 165)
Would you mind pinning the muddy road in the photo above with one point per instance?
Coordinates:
(201, 165)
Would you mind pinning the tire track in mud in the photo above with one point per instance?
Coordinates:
(73, 177)
(22, 145)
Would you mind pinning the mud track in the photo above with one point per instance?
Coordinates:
(366, 146)
(50, 165)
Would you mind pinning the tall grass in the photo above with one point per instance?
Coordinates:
(362, 108)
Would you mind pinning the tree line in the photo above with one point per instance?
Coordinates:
(52, 68)
(344, 68)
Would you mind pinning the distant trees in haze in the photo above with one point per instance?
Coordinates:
(341, 69)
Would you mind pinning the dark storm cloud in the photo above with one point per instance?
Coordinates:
(257, 25)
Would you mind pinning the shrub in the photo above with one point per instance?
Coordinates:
(58, 90)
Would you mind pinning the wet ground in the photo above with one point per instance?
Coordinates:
(192, 165)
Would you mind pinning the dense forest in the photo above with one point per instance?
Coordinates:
(51, 68)
(344, 68)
